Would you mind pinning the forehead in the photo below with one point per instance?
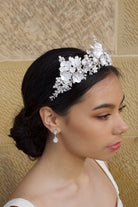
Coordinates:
(107, 90)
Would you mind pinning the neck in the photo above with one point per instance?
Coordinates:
(62, 165)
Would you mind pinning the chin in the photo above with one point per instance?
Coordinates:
(103, 157)
(108, 157)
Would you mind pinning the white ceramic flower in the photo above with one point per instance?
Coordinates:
(65, 76)
(77, 77)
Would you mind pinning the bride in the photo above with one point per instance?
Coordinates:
(71, 122)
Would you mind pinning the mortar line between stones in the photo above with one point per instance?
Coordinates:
(116, 24)
(27, 60)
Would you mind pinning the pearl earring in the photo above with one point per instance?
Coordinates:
(55, 139)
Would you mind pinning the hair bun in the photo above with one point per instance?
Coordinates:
(27, 133)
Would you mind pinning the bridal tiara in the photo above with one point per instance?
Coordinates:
(76, 69)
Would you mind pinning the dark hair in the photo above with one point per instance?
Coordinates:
(28, 130)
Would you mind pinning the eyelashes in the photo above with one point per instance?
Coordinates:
(106, 116)
(121, 108)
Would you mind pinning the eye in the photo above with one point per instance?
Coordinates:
(104, 117)
(121, 108)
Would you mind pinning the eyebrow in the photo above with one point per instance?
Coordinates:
(106, 105)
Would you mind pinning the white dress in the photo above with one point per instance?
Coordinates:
(21, 202)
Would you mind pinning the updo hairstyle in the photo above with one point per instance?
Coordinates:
(28, 130)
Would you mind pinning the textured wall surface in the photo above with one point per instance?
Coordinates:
(124, 168)
(27, 29)
(127, 42)
(11, 75)
(128, 67)
(13, 166)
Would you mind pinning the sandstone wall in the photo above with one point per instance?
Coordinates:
(28, 28)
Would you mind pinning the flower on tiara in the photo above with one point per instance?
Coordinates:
(75, 69)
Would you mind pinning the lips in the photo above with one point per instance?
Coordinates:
(116, 146)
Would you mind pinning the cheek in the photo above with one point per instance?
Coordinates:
(74, 134)
(83, 134)
(80, 127)
(87, 138)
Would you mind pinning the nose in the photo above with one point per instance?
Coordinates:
(120, 126)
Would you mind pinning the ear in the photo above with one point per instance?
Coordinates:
(49, 119)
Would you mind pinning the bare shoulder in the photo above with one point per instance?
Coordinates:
(21, 191)
(36, 196)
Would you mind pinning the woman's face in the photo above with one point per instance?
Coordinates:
(93, 127)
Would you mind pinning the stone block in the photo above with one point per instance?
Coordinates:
(124, 168)
(11, 75)
(127, 27)
(128, 67)
(14, 164)
(28, 30)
